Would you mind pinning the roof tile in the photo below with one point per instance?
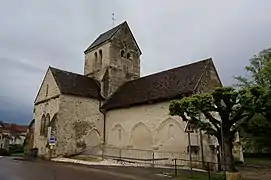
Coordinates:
(163, 85)
(76, 84)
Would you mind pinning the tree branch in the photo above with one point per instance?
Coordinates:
(212, 119)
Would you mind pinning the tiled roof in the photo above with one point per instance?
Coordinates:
(168, 84)
(76, 84)
(14, 128)
(104, 37)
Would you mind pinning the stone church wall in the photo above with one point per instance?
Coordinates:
(50, 107)
(97, 65)
(80, 124)
(46, 104)
(147, 127)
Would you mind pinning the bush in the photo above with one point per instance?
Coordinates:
(4, 152)
(257, 155)
(14, 149)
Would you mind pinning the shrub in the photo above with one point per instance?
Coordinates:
(4, 152)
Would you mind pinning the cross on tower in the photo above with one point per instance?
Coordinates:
(113, 19)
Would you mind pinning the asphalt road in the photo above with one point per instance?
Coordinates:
(11, 169)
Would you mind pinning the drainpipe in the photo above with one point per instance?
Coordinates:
(104, 127)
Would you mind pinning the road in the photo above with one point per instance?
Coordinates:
(11, 169)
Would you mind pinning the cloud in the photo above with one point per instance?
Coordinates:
(36, 34)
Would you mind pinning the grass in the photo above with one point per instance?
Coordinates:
(258, 161)
(19, 154)
(86, 158)
(200, 176)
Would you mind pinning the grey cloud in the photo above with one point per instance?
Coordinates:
(36, 34)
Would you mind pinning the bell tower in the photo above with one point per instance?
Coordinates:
(113, 59)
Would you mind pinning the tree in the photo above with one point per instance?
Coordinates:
(258, 130)
(259, 71)
(224, 108)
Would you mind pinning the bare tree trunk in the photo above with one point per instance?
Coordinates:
(229, 160)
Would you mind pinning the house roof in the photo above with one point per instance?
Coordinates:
(14, 128)
(108, 35)
(168, 84)
(76, 84)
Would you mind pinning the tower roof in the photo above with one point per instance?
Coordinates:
(106, 36)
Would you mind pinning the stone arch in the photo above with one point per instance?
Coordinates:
(141, 137)
(168, 121)
(46, 124)
(122, 53)
(170, 135)
(93, 138)
(118, 135)
(53, 125)
(42, 122)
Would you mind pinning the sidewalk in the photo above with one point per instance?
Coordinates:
(75, 161)
(109, 162)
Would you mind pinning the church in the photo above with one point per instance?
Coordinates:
(111, 105)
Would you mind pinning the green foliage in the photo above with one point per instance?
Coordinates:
(14, 149)
(257, 131)
(226, 104)
(219, 113)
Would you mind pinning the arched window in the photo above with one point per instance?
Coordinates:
(119, 131)
(42, 122)
(95, 62)
(128, 56)
(170, 131)
(46, 125)
(122, 53)
(52, 124)
(47, 89)
(100, 58)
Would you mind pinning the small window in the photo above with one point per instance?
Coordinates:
(47, 89)
(95, 55)
(119, 130)
(101, 54)
(170, 131)
(122, 53)
(128, 56)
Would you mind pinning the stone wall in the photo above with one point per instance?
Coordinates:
(50, 107)
(209, 80)
(47, 103)
(95, 67)
(48, 88)
(147, 127)
(80, 124)
(119, 62)
(124, 59)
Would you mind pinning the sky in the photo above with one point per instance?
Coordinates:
(36, 34)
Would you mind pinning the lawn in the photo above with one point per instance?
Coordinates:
(258, 161)
(18, 154)
(200, 176)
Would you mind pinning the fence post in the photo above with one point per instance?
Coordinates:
(208, 168)
(153, 158)
(175, 166)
